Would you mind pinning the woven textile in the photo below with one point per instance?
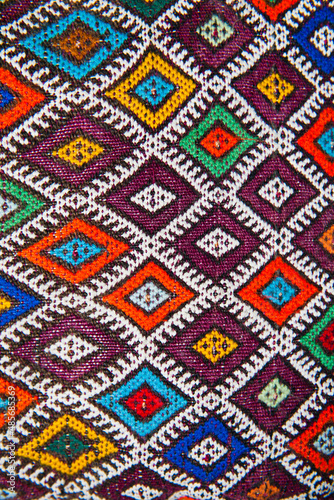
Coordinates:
(167, 250)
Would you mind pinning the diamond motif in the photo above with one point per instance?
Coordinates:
(142, 492)
(318, 435)
(215, 31)
(70, 362)
(316, 39)
(198, 246)
(218, 243)
(75, 252)
(261, 397)
(128, 198)
(110, 250)
(286, 288)
(180, 454)
(317, 140)
(160, 403)
(274, 393)
(78, 152)
(154, 89)
(272, 8)
(25, 99)
(276, 192)
(214, 346)
(15, 302)
(265, 491)
(7, 206)
(109, 146)
(37, 449)
(217, 155)
(149, 297)
(207, 452)
(23, 400)
(76, 44)
(148, 8)
(211, 368)
(274, 103)
(153, 198)
(68, 446)
(71, 348)
(144, 315)
(124, 92)
(273, 204)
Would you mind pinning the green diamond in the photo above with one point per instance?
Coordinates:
(218, 117)
(68, 445)
(274, 393)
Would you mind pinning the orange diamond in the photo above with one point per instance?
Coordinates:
(265, 491)
(327, 240)
(218, 142)
(9, 393)
(77, 42)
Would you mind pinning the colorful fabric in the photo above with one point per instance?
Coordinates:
(166, 250)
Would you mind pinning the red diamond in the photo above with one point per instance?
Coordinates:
(327, 338)
(218, 142)
(144, 403)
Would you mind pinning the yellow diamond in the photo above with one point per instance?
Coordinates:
(275, 88)
(215, 346)
(327, 240)
(124, 92)
(100, 446)
(79, 151)
(4, 304)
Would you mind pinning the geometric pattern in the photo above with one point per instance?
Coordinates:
(14, 302)
(273, 9)
(23, 399)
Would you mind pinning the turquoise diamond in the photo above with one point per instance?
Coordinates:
(154, 89)
(75, 252)
(325, 441)
(326, 142)
(6, 206)
(279, 291)
(3, 404)
(149, 296)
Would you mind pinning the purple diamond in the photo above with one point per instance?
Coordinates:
(179, 195)
(247, 85)
(112, 146)
(52, 350)
(182, 346)
(269, 417)
(211, 55)
(275, 167)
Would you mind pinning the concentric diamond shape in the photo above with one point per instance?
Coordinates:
(144, 403)
(214, 33)
(274, 88)
(16, 204)
(316, 442)
(218, 243)
(153, 196)
(208, 451)
(320, 340)
(195, 347)
(218, 141)
(71, 261)
(70, 348)
(274, 394)
(276, 191)
(15, 302)
(317, 141)
(217, 258)
(140, 480)
(158, 110)
(316, 39)
(23, 400)
(16, 99)
(80, 443)
(51, 154)
(272, 8)
(165, 295)
(76, 44)
(278, 291)
(181, 454)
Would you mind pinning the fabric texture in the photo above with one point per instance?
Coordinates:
(166, 250)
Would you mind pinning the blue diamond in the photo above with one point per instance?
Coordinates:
(180, 454)
(325, 441)
(111, 40)
(326, 142)
(306, 37)
(5, 98)
(279, 291)
(76, 251)
(149, 296)
(23, 302)
(3, 404)
(114, 402)
(154, 89)
(6, 206)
